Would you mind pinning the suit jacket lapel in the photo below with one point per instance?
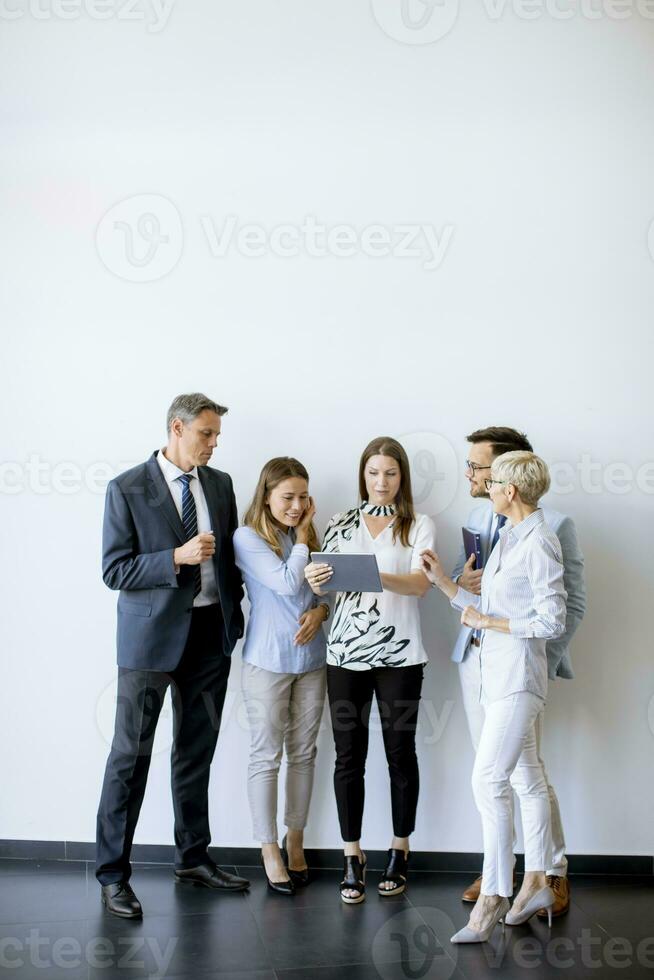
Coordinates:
(486, 535)
(214, 504)
(161, 497)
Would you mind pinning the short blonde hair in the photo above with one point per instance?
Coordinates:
(527, 472)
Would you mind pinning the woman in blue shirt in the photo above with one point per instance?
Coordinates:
(283, 661)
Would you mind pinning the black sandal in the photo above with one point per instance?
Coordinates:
(397, 870)
(354, 879)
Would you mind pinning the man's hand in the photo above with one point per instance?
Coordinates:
(310, 622)
(197, 550)
(470, 578)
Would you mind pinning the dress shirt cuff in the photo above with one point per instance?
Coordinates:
(300, 549)
(463, 599)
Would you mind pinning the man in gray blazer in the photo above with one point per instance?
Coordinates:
(167, 547)
(485, 445)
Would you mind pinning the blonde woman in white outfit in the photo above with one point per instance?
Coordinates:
(521, 606)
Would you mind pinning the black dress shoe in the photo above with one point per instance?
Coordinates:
(211, 876)
(299, 878)
(119, 899)
(281, 887)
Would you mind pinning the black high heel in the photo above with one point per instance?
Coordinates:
(354, 879)
(397, 870)
(299, 878)
(281, 887)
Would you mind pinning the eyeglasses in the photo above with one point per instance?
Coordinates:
(475, 466)
(489, 483)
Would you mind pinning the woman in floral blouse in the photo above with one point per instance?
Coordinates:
(375, 648)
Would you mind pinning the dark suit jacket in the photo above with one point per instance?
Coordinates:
(140, 532)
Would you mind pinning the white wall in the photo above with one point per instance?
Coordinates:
(531, 140)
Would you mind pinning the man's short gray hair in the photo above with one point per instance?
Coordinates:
(526, 471)
(188, 407)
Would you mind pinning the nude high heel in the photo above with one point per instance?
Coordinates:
(543, 899)
(468, 935)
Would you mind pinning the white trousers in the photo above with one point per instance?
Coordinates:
(284, 712)
(508, 743)
(469, 675)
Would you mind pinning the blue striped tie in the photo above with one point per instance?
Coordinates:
(501, 521)
(190, 522)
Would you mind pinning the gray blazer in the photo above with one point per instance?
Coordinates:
(141, 530)
(558, 649)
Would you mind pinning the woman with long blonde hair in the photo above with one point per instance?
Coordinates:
(283, 662)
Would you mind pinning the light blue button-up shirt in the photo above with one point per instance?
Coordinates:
(278, 594)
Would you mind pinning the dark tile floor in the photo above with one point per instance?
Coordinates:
(53, 926)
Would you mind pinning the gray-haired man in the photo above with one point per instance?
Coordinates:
(167, 546)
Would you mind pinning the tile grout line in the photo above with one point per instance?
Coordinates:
(256, 926)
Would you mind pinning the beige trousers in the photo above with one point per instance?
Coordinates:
(284, 712)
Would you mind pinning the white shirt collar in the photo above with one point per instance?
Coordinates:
(170, 471)
(522, 529)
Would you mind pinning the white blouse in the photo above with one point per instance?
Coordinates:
(377, 629)
(522, 582)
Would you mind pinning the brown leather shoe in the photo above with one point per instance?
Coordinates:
(471, 894)
(561, 889)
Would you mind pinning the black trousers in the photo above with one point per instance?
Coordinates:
(350, 694)
(198, 685)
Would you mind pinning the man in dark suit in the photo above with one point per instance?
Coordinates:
(167, 546)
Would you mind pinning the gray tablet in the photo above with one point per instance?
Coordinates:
(352, 573)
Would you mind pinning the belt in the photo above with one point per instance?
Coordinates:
(476, 642)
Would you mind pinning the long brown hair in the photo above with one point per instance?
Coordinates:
(386, 446)
(258, 515)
